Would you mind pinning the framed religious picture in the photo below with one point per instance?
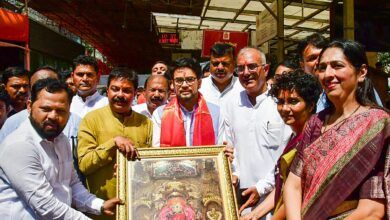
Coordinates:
(176, 183)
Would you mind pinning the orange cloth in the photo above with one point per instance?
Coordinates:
(172, 125)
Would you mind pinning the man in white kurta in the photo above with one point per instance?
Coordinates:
(92, 102)
(213, 95)
(85, 77)
(255, 129)
(156, 94)
(221, 84)
(187, 80)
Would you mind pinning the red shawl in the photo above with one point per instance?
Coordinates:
(172, 125)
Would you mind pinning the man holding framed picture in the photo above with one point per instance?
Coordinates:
(114, 127)
(187, 120)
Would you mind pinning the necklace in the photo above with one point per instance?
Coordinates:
(341, 121)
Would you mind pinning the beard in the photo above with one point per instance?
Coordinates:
(186, 97)
(46, 133)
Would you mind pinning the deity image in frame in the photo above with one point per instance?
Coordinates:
(176, 184)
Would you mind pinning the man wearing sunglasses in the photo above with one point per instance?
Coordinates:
(221, 84)
(187, 120)
(255, 129)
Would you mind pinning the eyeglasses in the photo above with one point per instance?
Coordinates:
(252, 67)
(224, 64)
(180, 80)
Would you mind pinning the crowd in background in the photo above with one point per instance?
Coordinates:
(307, 138)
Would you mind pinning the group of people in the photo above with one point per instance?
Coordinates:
(320, 120)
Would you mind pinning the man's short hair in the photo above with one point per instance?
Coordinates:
(65, 74)
(47, 68)
(288, 62)
(206, 67)
(221, 49)
(51, 86)
(5, 97)
(155, 76)
(15, 71)
(85, 60)
(257, 50)
(316, 39)
(189, 63)
(161, 62)
(125, 73)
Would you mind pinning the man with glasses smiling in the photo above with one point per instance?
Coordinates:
(255, 129)
(221, 84)
(187, 120)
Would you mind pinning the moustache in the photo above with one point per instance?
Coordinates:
(51, 123)
(120, 99)
(21, 94)
(84, 84)
(156, 99)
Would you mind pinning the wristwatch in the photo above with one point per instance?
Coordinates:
(102, 208)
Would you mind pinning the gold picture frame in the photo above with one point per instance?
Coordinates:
(176, 183)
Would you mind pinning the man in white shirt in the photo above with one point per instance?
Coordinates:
(156, 94)
(16, 120)
(85, 77)
(255, 129)
(221, 84)
(37, 178)
(187, 120)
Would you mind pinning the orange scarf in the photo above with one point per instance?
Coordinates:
(172, 125)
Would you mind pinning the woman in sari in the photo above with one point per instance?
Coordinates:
(297, 94)
(341, 170)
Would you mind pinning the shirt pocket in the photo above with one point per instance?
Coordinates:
(273, 134)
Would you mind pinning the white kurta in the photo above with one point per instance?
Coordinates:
(258, 135)
(212, 94)
(81, 108)
(142, 109)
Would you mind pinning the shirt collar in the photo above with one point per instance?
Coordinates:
(244, 100)
(186, 112)
(90, 98)
(228, 87)
(119, 116)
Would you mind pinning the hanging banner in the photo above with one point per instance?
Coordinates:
(266, 25)
(13, 26)
(237, 39)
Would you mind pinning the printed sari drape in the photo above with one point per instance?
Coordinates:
(349, 156)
